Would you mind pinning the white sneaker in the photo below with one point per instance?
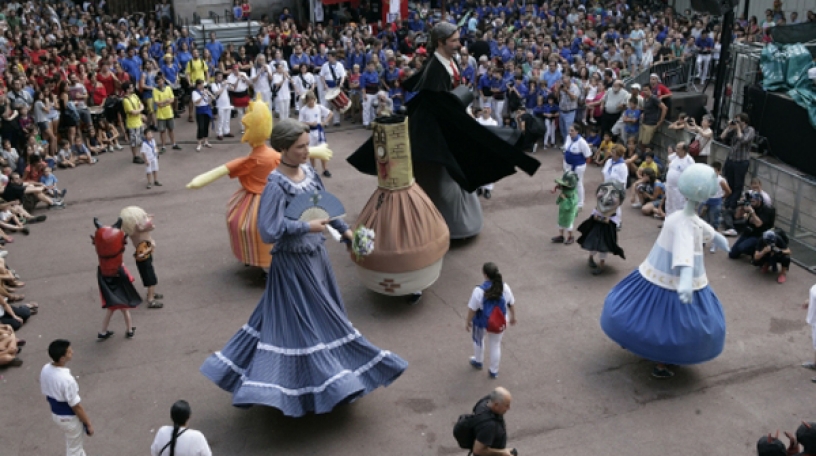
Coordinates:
(198, 148)
(535, 147)
(730, 232)
(713, 248)
(637, 205)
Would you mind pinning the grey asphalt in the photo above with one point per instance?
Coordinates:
(574, 391)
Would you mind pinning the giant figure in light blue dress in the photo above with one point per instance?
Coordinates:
(665, 310)
(298, 352)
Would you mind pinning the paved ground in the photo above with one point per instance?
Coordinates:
(574, 390)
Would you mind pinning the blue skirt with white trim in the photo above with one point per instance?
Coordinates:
(651, 321)
(298, 352)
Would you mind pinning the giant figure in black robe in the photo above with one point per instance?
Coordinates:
(453, 155)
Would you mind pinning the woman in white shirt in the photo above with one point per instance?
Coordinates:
(261, 77)
(179, 440)
(304, 82)
(283, 95)
(678, 162)
(201, 98)
(494, 293)
(703, 134)
(316, 116)
(576, 153)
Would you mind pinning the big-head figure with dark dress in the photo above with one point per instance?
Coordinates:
(453, 155)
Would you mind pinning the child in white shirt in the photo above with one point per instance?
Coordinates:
(151, 159)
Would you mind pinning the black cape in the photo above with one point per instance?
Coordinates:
(442, 132)
(597, 236)
(118, 292)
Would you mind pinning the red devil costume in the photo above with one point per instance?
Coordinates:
(115, 282)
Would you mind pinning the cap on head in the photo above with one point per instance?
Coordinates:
(635, 86)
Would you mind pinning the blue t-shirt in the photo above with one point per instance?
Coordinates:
(632, 128)
(594, 140)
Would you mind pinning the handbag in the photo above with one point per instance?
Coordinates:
(694, 148)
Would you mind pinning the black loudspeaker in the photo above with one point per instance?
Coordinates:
(715, 7)
(691, 103)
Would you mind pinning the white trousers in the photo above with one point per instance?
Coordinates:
(493, 342)
(369, 112)
(579, 170)
(498, 109)
(703, 63)
(549, 135)
(222, 124)
(282, 106)
(266, 96)
(74, 434)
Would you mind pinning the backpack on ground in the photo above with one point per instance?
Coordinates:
(464, 431)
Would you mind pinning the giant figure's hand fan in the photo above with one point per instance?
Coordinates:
(315, 206)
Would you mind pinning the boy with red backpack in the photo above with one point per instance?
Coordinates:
(487, 317)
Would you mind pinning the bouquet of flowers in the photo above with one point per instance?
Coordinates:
(362, 243)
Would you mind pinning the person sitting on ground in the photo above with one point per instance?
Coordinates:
(92, 142)
(50, 181)
(651, 194)
(16, 190)
(15, 316)
(81, 152)
(604, 151)
(10, 347)
(8, 222)
(757, 218)
(109, 136)
(772, 252)
(65, 156)
(648, 163)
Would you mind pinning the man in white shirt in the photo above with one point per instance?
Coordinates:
(223, 105)
(484, 118)
(332, 75)
(62, 392)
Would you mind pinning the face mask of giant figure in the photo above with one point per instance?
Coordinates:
(610, 196)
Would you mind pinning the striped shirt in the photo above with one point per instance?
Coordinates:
(565, 103)
(741, 147)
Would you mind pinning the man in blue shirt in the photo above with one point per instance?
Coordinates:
(186, 38)
(705, 45)
(370, 83)
(391, 74)
(215, 47)
(376, 49)
(552, 75)
(132, 64)
(356, 57)
(509, 50)
(298, 58)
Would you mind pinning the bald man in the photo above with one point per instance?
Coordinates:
(491, 435)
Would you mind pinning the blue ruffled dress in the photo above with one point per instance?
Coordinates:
(299, 353)
(644, 314)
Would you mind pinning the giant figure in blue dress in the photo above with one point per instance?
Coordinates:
(665, 310)
(298, 353)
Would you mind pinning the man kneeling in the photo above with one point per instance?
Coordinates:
(772, 250)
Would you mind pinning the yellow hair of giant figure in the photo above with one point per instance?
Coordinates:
(257, 123)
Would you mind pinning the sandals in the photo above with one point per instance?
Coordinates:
(158, 296)
(154, 304)
(15, 298)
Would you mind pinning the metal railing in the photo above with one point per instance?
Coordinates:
(793, 195)
(675, 74)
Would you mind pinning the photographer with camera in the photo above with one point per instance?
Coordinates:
(757, 218)
(772, 250)
(739, 135)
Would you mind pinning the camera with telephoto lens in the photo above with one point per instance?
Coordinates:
(746, 201)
